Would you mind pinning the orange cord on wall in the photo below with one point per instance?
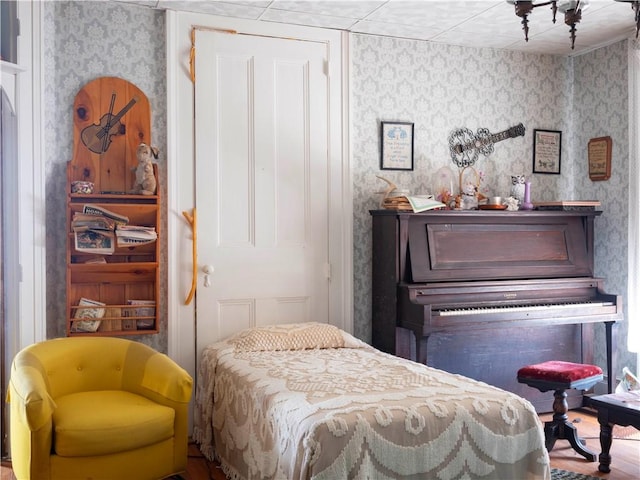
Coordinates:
(193, 222)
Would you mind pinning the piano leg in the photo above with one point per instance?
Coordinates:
(421, 347)
(611, 339)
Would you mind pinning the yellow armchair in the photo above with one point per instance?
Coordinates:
(97, 408)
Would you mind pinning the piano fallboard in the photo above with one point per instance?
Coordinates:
(458, 246)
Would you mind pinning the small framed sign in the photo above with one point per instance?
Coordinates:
(547, 148)
(396, 146)
(599, 152)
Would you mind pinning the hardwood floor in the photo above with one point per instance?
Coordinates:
(625, 449)
(625, 453)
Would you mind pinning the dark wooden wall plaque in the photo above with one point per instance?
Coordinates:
(599, 151)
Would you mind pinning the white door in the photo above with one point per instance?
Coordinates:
(261, 182)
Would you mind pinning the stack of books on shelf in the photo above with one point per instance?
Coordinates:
(397, 203)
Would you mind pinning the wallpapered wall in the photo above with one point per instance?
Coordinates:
(441, 88)
(601, 108)
(84, 41)
(437, 87)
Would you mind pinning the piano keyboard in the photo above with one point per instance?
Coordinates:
(520, 308)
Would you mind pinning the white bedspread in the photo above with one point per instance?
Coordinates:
(355, 412)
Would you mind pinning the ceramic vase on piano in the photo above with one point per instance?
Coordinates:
(526, 203)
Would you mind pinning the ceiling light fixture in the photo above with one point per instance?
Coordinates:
(572, 13)
(635, 5)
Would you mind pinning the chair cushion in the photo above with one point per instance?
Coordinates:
(558, 371)
(108, 421)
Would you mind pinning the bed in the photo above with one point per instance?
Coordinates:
(310, 401)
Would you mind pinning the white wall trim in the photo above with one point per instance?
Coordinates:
(633, 283)
(26, 320)
(347, 189)
(38, 200)
(179, 166)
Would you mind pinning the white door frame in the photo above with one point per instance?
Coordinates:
(26, 319)
(181, 181)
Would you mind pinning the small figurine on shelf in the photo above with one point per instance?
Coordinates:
(145, 179)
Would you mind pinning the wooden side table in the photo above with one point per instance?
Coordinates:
(614, 409)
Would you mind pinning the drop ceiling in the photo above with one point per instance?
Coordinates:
(480, 23)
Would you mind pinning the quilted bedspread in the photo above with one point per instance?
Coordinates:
(338, 409)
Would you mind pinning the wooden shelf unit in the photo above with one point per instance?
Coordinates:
(130, 273)
(117, 112)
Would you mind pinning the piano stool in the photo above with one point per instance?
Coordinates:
(559, 376)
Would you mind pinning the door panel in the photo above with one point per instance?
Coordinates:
(261, 182)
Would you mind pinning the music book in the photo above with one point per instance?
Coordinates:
(567, 205)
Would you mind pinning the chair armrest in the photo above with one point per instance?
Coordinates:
(28, 390)
(166, 378)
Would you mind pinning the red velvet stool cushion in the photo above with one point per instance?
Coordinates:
(558, 371)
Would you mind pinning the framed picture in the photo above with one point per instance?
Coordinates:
(396, 146)
(547, 147)
(599, 152)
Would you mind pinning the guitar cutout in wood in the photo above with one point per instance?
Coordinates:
(465, 146)
(97, 138)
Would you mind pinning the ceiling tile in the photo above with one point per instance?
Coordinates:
(432, 14)
(395, 30)
(228, 9)
(350, 9)
(312, 20)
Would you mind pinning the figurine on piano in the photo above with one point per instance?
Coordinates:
(469, 197)
(512, 204)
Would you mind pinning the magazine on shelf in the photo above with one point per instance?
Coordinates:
(92, 209)
(94, 241)
(87, 319)
(144, 308)
(96, 259)
(132, 235)
(93, 222)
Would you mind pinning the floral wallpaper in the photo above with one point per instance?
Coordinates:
(601, 108)
(437, 87)
(84, 41)
(440, 88)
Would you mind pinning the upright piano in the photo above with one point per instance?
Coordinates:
(483, 293)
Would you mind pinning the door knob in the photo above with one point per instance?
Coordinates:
(208, 270)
